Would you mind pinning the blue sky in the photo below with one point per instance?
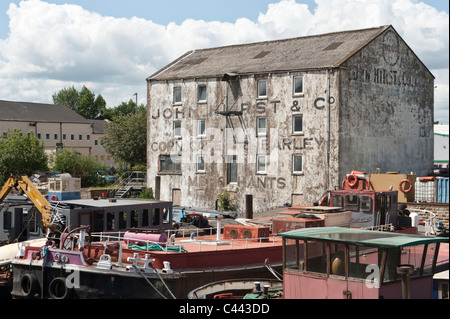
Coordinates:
(163, 12)
(46, 45)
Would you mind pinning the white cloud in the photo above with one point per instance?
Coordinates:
(54, 46)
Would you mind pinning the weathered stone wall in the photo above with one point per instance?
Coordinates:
(376, 112)
(278, 184)
(386, 118)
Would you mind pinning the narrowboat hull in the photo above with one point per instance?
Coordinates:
(56, 282)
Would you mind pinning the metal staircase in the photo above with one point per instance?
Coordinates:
(229, 108)
(128, 182)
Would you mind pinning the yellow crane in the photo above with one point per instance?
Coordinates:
(41, 203)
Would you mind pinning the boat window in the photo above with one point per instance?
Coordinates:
(156, 216)
(351, 202)
(145, 218)
(134, 219)
(337, 259)
(379, 202)
(33, 225)
(338, 201)
(98, 221)
(6, 220)
(294, 258)
(366, 203)
(316, 257)
(166, 215)
(429, 259)
(122, 220)
(110, 221)
(364, 263)
(413, 255)
(388, 202)
(390, 272)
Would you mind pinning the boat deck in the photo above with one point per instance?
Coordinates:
(210, 243)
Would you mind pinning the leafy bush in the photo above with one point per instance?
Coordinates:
(224, 201)
(21, 154)
(80, 166)
(146, 193)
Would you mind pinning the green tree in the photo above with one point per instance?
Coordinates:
(125, 138)
(78, 165)
(21, 154)
(84, 102)
(67, 97)
(123, 109)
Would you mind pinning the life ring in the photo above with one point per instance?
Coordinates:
(355, 180)
(54, 198)
(57, 289)
(29, 285)
(405, 181)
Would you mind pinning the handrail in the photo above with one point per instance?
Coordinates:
(110, 237)
(127, 178)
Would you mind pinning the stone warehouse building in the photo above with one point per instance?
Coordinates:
(56, 126)
(286, 120)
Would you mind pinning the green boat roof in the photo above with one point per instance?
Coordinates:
(361, 237)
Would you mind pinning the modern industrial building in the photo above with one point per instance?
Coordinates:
(286, 120)
(57, 127)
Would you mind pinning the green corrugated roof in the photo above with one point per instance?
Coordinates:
(362, 237)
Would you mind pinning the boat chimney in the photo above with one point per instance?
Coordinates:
(405, 271)
(219, 227)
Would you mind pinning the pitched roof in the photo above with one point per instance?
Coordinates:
(38, 112)
(303, 53)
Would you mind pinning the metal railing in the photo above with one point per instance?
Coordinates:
(128, 180)
(109, 238)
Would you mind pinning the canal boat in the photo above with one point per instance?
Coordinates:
(346, 263)
(141, 264)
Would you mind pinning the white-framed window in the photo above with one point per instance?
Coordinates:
(176, 128)
(298, 84)
(72, 137)
(262, 88)
(297, 164)
(297, 124)
(261, 163)
(80, 137)
(177, 95)
(55, 136)
(200, 163)
(261, 126)
(64, 136)
(47, 136)
(202, 93)
(201, 128)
